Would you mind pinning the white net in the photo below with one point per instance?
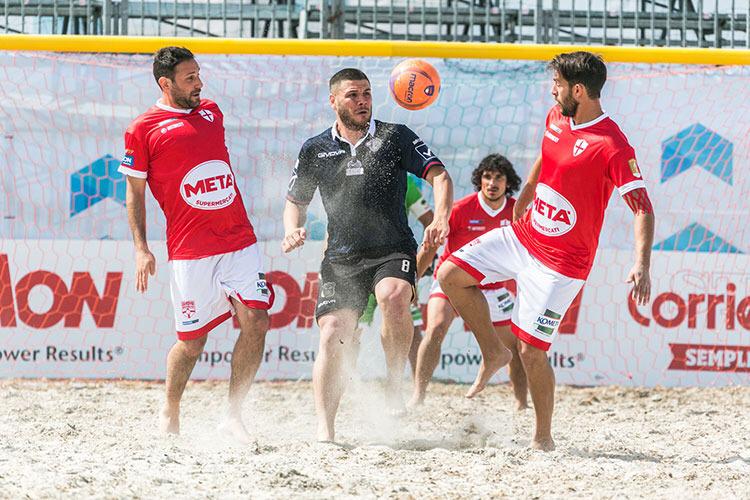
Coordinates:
(67, 302)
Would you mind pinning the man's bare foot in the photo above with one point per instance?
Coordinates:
(394, 404)
(488, 368)
(416, 400)
(544, 444)
(235, 430)
(325, 433)
(169, 421)
(522, 405)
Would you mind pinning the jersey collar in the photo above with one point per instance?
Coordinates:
(488, 209)
(573, 126)
(370, 132)
(163, 106)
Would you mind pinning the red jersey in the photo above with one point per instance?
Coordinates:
(581, 165)
(470, 218)
(184, 156)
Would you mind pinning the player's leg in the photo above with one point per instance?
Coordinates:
(341, 299)
(440, 315)
(329, 371)
(417, 321)
(199, 306)
(394, 296)
(247, 356)
(488, 259)
(541, 380)
(543, 298)
(470, 303)
(181, 360)
(501, 302)
(243, 279)
(516, 371)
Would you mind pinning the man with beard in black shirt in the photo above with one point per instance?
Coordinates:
(360, 166)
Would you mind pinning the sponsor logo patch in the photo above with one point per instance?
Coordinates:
(547, 323)
(634, 168)
(424, 151)
(331, 154)
(166, 129)
(209, 186)
(127, 159)
(354, 167)
(552, 214)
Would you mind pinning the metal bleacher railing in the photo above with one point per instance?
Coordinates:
(679, 23)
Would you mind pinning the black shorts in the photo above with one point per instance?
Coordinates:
(347, 283)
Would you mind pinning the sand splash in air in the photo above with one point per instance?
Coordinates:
(73, 439)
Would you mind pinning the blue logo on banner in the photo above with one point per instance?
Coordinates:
(95, 182)
(696, 238)
(697, 146)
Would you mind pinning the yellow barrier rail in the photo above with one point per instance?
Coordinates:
(368, 48)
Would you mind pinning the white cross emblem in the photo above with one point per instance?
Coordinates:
(206, 114)
(580, 147)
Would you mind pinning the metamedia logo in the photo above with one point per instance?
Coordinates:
(552, 215)
(209, 186)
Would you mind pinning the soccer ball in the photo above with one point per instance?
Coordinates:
(414, 84)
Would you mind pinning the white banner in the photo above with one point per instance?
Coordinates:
(67, 304)
(67, 311)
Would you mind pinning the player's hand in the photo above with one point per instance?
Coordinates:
(436, 232)
(641, 280)
(145, 264)
(294, 239)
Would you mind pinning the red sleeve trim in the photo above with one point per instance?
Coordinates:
(529, 339)
(638, 201)
(477, 275)
(202, 331)
(429, 166)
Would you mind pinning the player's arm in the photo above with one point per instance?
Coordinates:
(527, 193)
(442, 189)
(639, 275)
(295, 216)
(135, 201)
(425, 256)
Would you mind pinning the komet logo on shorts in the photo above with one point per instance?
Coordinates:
(552, 215)
(209, 186)
(547, 323)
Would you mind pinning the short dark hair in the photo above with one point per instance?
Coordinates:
(582, 67)
(346, 74)
(167, 59)
(497, 163)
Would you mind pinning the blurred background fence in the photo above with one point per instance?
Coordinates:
(679, 23)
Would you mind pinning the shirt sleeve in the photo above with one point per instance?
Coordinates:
(416, 156)
(303, 183)
(136, 159)
(624, 172)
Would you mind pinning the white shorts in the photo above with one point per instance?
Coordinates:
(544, 295)
(201, 289)
(500, 300)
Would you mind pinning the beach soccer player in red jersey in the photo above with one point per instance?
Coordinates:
(491, 207)
(178, 148)
(550, 249)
